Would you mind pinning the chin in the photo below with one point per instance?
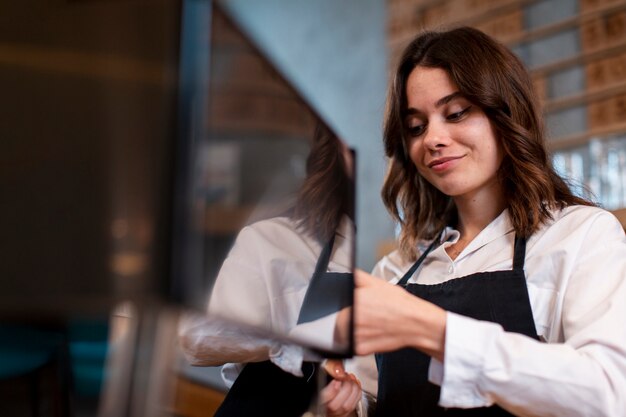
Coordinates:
(450, 191)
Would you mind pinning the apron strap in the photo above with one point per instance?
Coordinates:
(519, 256)
(324, 259)
(312, 307)
(519, 253)
(417, 263)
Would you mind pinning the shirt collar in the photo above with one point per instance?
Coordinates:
(498, 227)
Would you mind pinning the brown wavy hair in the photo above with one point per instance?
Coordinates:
(327, 192)
(490, 76)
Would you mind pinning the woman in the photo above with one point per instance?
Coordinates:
(265, 283)
(509, 293)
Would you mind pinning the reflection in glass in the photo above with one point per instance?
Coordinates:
(129, 180)
(291, 273)
(273, 198)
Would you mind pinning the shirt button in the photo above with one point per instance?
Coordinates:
(450, 269)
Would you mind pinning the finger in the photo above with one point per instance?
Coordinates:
(355, 379)
(335, 369)
(354, 397)
(329, 392)
(338, 403)
(345, 400)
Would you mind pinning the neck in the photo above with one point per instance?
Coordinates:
(477, 211)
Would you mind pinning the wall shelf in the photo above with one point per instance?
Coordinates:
(570, 23)
(578, 139)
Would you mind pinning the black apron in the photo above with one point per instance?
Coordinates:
(262, 389)
(499, 296)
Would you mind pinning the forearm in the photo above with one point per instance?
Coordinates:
(207, 342)
(214, 351)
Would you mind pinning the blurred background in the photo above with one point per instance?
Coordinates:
(108, 95)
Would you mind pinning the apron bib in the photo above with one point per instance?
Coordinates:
(499, 296)
(263, 389)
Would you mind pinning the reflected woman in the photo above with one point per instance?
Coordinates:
(264, 288)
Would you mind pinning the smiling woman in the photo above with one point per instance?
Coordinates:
(451, 141)
(496, 255)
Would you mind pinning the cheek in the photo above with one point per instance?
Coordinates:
(496, 153)
(486, 139)
(416, 157)
(416, 153)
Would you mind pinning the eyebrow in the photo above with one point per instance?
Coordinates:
(447, 99)
(441, 102)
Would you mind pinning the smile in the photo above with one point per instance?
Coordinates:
(441, 164)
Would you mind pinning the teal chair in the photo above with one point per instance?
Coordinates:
(88, 341)
(35, 358)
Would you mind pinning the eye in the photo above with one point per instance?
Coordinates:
(415, 131)
(455, 117)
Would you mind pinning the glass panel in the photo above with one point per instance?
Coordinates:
(130, 177)
(272, 190)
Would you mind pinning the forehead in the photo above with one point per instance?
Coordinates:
(426, 84)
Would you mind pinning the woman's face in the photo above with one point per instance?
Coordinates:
(451, 140)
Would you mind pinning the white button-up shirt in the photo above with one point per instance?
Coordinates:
(256, 300)
(576, 278)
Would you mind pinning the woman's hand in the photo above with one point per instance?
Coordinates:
(343, 326)
(387, 318)
(342, 394)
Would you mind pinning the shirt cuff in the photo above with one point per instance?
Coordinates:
(230, 372)
(435, 372)
(466, 343)
(289, 358)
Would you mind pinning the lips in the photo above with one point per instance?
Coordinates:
(440, 162)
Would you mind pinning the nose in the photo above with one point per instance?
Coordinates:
(436, 136)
